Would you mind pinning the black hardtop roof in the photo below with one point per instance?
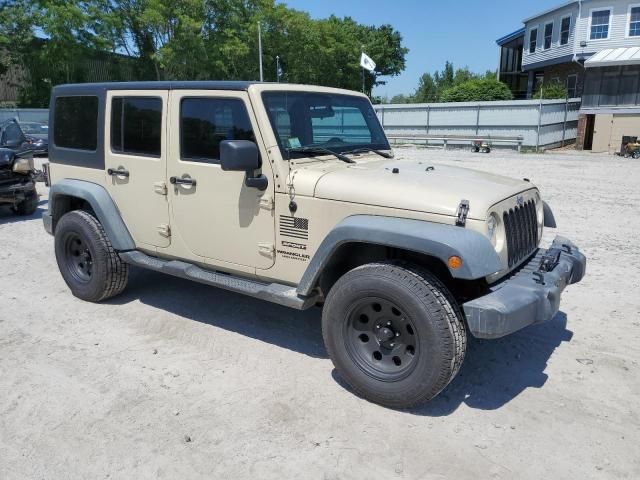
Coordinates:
(154, 85)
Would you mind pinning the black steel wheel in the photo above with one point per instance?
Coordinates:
(381, 339)
(394, 332)
(78, 258)
(90, 266)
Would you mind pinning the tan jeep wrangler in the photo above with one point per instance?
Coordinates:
(291, 194)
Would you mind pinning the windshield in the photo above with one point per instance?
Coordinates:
(339, 123)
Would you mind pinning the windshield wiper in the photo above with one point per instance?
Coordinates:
(373, 150)
(316, 149)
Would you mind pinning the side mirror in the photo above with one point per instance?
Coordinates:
(239, 155)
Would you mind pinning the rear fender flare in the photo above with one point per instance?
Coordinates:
(101, 203)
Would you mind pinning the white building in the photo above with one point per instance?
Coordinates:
(593, 48)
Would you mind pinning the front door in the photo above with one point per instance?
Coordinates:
(135, 154)
(215, 214)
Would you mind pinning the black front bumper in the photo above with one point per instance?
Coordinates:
(530, 295)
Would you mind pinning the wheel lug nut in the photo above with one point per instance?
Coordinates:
(392, 344)
(397, 334)
(378, 327)
(389, 324)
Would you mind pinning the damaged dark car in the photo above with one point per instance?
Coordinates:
(17, 172)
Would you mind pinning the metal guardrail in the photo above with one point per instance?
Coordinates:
(457, 139)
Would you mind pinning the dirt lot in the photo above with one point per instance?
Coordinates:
(178, 380)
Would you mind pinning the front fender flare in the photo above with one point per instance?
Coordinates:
(101, 203)
(434, 239)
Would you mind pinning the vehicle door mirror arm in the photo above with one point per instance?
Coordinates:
(252, 180)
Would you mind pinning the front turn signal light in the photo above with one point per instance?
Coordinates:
(454, 262)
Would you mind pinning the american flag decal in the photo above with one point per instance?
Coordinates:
(294, 227)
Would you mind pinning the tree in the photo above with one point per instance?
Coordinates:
(477, 90)
(427, 90)
(190, 39)
(552, 90)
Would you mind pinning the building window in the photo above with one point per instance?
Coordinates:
(634, 21)
(205, 122)
(600, 24)
(572, 83)
(136, 125)
(75, 122)
(533, 40)
(565, 29)
(548, 35)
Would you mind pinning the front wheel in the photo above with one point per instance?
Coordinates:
(90, 266)
(29, 205)
(394, 333)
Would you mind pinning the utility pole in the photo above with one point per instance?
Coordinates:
(278, 68)
(362, 51)
(260, 51)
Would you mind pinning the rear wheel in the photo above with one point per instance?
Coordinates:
(394, 333)
(87, 261)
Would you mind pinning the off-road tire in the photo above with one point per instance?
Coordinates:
(108, 274)
(28, 206)
(425, 303)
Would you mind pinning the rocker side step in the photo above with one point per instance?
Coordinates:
(271, 292)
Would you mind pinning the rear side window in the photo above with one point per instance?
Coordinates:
(205, 122)
(136, 125)
(76, 122)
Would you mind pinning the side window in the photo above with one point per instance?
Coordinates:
(548, 35)
(205, 122)
(533, 40)
(565, 30)
(76, 122)
(136, 125)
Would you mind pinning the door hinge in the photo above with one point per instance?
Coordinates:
(164, 230)
(267, 249)
(266, 202)
(160, 187)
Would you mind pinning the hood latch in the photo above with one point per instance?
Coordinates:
(463, 211)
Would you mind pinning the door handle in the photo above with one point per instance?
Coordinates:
(182, 181)
(119, 172)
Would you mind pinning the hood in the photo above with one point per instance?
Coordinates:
(417, 185)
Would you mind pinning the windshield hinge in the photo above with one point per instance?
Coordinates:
(461, 214)
(160, 187)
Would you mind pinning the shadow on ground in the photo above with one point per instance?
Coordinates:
(9, 216)
(494, 371)
(264, 321)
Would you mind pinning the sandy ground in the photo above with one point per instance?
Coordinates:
(178, 380)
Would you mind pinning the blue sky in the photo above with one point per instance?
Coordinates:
(462, 31)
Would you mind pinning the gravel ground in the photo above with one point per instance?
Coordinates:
(177, 380)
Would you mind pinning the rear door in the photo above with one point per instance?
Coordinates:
(217, 216)
(136, 163)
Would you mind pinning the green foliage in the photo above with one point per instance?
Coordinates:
(188, 39)
(478, 90)
(550, 91)
(456, 85)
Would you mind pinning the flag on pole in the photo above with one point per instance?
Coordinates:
(367, 63)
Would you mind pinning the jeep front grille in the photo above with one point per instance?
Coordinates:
(521, 229)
